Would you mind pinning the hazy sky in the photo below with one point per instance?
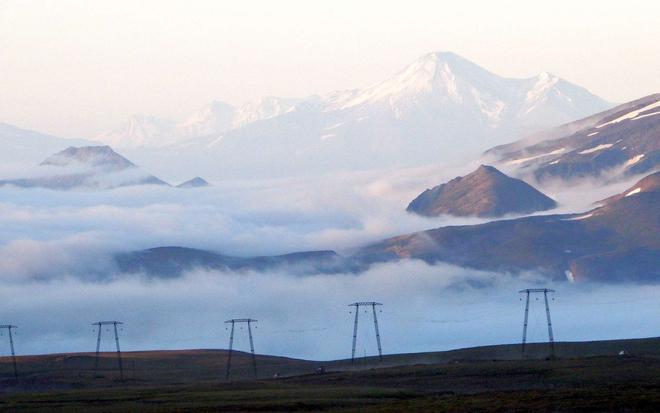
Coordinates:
(77, 68)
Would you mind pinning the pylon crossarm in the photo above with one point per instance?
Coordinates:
(536, 290)
(359, 303)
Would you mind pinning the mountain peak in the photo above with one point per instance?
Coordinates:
(91, 156)
(87, 168)
(487, 169)
(196, 182)
(443, 56)
(485, 192)
(140, 130)
(438, 75)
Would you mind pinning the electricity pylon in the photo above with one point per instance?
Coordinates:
(9, 327)
(373, 305)
(100, 325)
(545, 291)
(233, 322)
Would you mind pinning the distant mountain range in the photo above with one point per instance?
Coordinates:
(485, 192)
(87, 167)
(22, 145)
(167, 262)
(624, 140)
(141, 131)
(439, 107)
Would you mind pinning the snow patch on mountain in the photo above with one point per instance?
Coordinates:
(596, 148)
(634, 160)
(631, 115)
(531, 158)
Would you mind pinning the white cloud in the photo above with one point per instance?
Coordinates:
(426, 308)
(58, 277)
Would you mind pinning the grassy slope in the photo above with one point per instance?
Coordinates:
(461, 381)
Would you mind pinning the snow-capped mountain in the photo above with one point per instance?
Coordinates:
(141, 131)
(443, 82)
(217, 117)
(437, 108)
(264, 108)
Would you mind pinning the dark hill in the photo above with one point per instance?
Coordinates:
(196, 182)
(485, 192)
(87, 167)
(624, 233)
(166, 262)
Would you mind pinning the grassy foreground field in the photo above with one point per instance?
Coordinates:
(586, 377)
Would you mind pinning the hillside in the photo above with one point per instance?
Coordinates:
(586, 376)
(485, 192)
(623, 140)
(165, 262)
(616, 242)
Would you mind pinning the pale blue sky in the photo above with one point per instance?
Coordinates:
(79, 67)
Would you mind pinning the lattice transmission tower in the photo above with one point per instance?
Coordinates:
(233, 322)
(99, 325)
(373, 306)
(10, 327)
(544, 291)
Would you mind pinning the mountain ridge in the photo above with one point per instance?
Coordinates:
(623, 141)
(439, 107)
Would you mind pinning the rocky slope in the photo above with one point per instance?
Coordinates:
(622, 141)
(485, 192)
(618, 241)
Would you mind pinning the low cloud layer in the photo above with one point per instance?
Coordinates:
(58, 276)
(426, 308)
